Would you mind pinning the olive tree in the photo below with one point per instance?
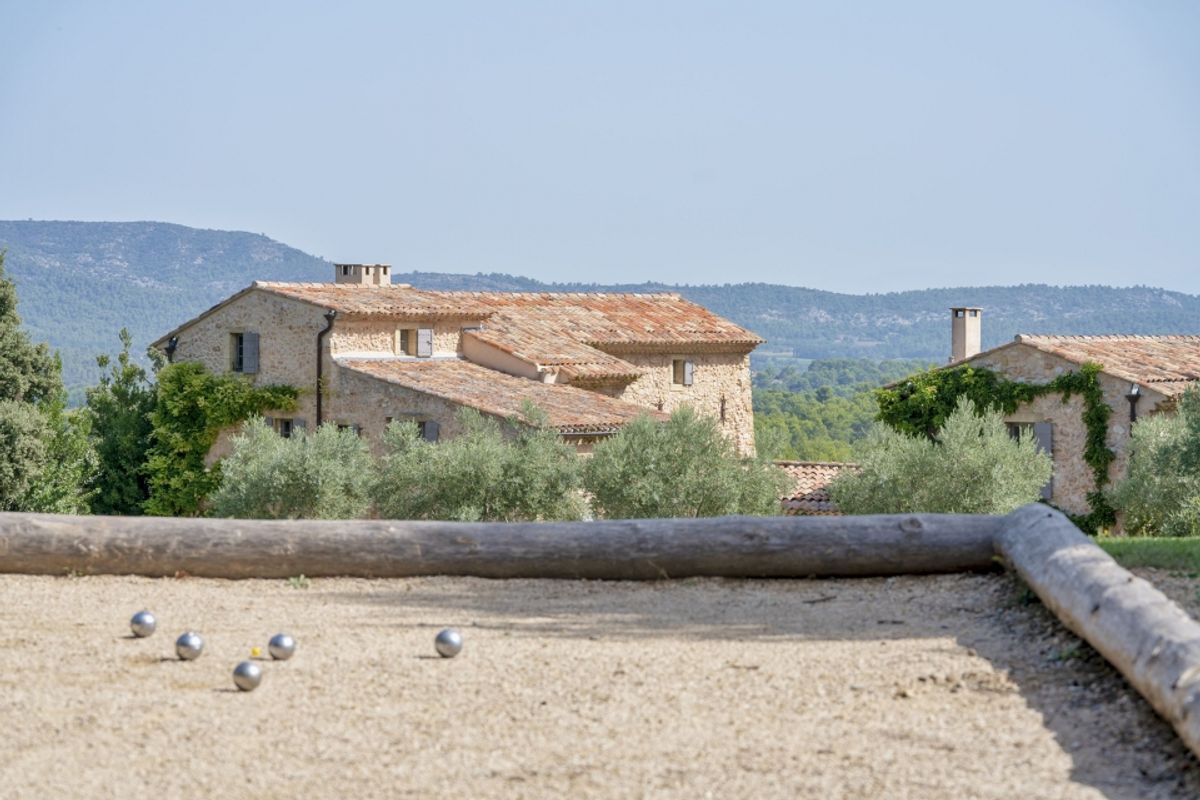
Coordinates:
(322, 475)
(684, 467)
(507, 471)
(1161, 491)
(971, 466)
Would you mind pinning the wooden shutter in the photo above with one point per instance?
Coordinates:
(1043, 433)
(250, 353)
(430, 431)
(424, 342)
(689, 369)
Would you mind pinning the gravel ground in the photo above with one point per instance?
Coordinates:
(948, 687)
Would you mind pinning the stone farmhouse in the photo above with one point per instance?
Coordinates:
(364, 352)
(1139, 376)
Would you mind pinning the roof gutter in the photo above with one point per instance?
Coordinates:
(329, 317)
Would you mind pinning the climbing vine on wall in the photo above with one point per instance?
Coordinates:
(191, 407)
(919, 406)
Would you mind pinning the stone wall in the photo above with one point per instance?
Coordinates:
(287, 344)
(717, 377)
(1073, 477)
(379, 336)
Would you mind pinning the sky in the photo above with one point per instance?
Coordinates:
(842, 145)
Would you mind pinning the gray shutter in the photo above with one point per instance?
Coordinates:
(299, 423)
(424, 342)
(250, 353)
(689, 370)
(431, 431)
(270, 421)
(1043, 433)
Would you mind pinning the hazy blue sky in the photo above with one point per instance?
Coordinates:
(852, 146)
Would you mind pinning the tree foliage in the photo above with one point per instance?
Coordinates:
(1161, 491)
(809, 426)
(307, 476)
(191, 407)
(45, 459)
(491, 471)
(682, 468)
(971, 466)
(118, 408)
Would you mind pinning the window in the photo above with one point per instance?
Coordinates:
(414, 342)
(428, 429)
(285, 426)
(682, 371)
(350, 426)
(345, 269)
(1043, 434)
(722, 408)
(243, 351)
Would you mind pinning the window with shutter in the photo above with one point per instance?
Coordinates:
(249, 353)
(429, 430)
(682, 371)
(406, 344)
(424, 342)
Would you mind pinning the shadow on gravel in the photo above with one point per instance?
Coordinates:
(1100, 722)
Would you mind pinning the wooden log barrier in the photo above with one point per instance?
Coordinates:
(610, 550)
(1149, 639)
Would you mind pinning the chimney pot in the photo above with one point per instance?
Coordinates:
(363, 274)
(966, 325)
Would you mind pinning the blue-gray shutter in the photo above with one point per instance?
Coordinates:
(250, 353)
(689, 370)
(424, 342)
(299, 423)
(1043, 433)
(431, 431)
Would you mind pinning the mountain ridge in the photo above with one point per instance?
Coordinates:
(80, 282)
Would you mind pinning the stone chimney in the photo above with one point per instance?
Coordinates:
(363, 274)
(965, 330)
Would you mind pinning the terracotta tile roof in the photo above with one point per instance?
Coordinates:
(599, 318)
(1168, 364)
(810, 487)
(570, 410)
(400, 300)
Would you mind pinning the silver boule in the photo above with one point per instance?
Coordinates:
(282, 647)
(247, 676)
(143, 624)
(448, 643)
(189, 646)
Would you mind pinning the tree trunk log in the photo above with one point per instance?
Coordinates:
(609, 550)
(1153, 643)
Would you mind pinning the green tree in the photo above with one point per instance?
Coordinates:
(191, 407)
(971, 466)
(684, 467)
(64, 485)
(518, 470)
(306, 476)
(44, 454)
(29, 373)
(119, 410)
(1161, 491)
(24, 454)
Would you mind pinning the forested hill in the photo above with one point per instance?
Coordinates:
(80, 282)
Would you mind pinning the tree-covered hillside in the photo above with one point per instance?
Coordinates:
(81, 282)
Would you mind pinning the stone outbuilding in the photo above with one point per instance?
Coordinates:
(1139, 376)
(364, 352)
